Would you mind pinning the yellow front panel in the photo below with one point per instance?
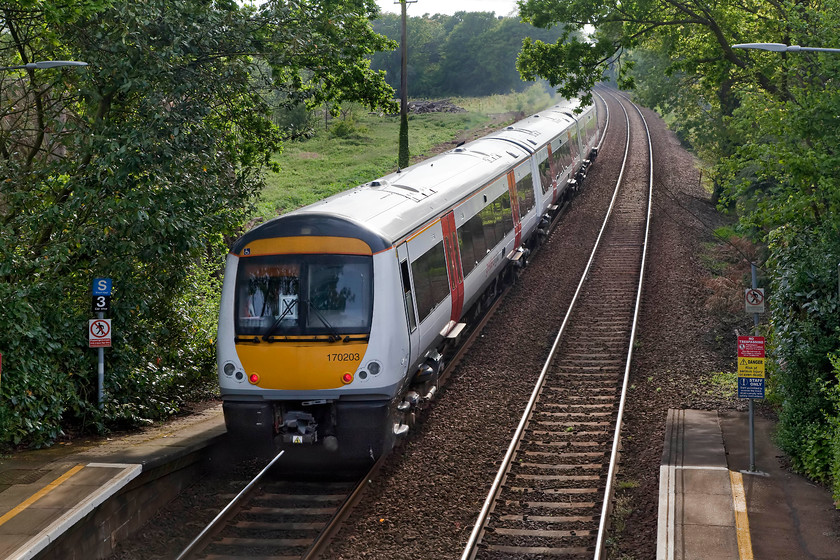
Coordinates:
(301, 366)
(306, 245)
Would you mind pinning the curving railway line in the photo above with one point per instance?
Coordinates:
(548, 497)
(552, 492)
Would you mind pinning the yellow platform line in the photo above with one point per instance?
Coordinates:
(742, 522)
(40, 494)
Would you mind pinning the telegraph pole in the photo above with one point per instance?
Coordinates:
(403, 158)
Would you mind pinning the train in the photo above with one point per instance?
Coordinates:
(335, 319)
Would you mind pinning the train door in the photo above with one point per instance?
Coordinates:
(427, 260)
(453, 261)
(546, 177)
(573, 143)
(407, 291)
(523, 190)
(514, 206)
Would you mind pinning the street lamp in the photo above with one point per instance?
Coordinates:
(45, 64)
(780, 47)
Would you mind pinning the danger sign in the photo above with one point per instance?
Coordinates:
(750, 367)
(99, 333)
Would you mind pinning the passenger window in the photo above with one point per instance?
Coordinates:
(431, 283)
(545, 175)
(525, 193)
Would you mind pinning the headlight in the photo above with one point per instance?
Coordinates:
(228, 368)
(374, 368)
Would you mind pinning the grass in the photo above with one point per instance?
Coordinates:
(367, 148)
(724, 383)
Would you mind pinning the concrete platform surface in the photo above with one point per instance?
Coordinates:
(712, 507)
(709, 508)
(43, 493)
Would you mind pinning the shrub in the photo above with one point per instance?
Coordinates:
(805, 326)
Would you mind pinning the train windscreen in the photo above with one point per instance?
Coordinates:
(304, 295)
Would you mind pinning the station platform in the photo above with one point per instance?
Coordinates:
(92, 487)
(711, 507)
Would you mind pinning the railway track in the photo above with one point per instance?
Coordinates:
(292, 520)
(277, 519)
(553, 490)
(285, 520)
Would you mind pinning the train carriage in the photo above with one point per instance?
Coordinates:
(334, 317)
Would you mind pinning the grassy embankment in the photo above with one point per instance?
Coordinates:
(366, 147)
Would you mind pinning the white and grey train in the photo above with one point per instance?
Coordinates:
(334, 317)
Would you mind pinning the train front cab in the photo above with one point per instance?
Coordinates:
(309, 362)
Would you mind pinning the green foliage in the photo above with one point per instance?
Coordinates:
(805, 323)
(469, 54)
(347, 128)
(136, 167)
(832, 391)
(767, 125)
(296, 122)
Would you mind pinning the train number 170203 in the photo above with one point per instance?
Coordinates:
(346, 357)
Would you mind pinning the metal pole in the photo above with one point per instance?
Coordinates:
(752, 415)
(101, 370)
(403, 63)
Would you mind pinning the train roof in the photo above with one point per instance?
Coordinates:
(389, 208)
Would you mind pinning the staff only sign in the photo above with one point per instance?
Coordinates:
(750, 367)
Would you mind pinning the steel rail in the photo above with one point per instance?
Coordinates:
(225, 511)
(469, 550)
(600, 549)
(319, 546)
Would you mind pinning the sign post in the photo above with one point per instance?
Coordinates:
(99, 330)
(751, 360)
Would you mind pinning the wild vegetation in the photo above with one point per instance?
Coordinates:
(142, 165)
(136, 167)
(358, 146)
(466, 54)
(767, 125)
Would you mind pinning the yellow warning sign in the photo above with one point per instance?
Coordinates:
(751, 367)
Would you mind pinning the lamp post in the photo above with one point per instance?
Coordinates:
(45, 64)
(780, 47)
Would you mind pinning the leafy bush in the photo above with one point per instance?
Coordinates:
(296, 121)
(38, 382)
(134, 168)
(347, 128)
(163, 347)
(833, 418)
(806, 328)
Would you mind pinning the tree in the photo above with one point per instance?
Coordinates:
(137, 168)
(696, 36)
(464, 54)
(768, 125)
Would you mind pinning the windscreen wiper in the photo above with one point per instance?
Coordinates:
(289, 306)
(334, 336)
